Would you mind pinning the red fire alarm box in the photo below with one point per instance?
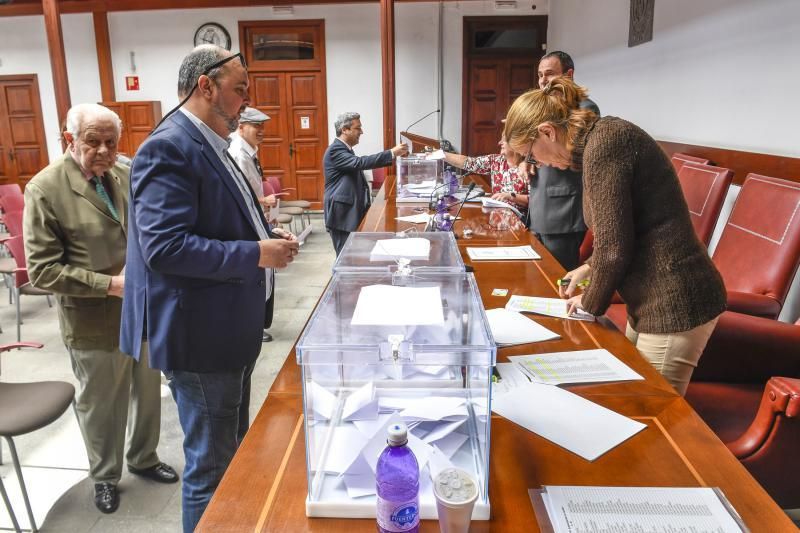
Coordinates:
(132, 83)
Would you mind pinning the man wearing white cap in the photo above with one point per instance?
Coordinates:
(244, 150)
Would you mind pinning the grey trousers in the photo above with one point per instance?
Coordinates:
(116, 392)
(565, 247)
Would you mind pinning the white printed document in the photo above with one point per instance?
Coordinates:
(665, 509)
(502, 253)
(419, 218)
(555, 307)
(389, 305)
(580, 366)
(409, 248)
(566, 419)
(510, 327)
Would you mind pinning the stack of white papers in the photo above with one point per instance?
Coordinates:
(510, 327)
(409, 248)
(546, 306)
(389, 305)
(638, 509)
(502, 253)
(490, 202)
(580, 366)
(566, 419)
(419, 218)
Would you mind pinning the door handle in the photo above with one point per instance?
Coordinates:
(291, 150)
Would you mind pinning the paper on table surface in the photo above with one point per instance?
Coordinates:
(545, 306)
(502, 253)
(511, 327)
(408, 247)
(419, 218)
(387, 305)
(580, 426)
(666, 509)
(511, 376)
(579, 366)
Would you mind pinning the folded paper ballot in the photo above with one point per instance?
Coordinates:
(419, 218)
(566, 419)
(414, 248)
(511, 327)
(545, 306)
(389, 305)
(361, 404)
(490, 202)
(502, 253)
(579, 366)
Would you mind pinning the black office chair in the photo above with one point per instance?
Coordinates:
(26, 407)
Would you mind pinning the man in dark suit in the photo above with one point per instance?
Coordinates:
(555, 206)
(347, 196)
(199, 276)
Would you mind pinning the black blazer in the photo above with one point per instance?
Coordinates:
(347, 196)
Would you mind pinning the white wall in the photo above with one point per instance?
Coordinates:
(160, 39)
(717, 72)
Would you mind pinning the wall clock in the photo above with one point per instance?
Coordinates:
(212, 33)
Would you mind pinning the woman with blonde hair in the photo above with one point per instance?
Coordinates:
(644, 243)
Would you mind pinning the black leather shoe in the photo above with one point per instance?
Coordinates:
(161, 472)
(267, 337)
(106, 497)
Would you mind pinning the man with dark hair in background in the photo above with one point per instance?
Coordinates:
(556, 196)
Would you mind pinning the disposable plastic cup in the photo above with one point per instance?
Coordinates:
(456, 492)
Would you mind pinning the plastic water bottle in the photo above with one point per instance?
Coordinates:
(397, 480)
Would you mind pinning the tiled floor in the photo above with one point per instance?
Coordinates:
(54, 459)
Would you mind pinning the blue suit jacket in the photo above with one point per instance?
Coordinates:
(347, 196)
(193, 287)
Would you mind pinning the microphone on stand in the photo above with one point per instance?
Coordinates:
(423, 118)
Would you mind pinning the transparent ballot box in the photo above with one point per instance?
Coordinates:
(384, 251)
(417, 177)
(382, 348)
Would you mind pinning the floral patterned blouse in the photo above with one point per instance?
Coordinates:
(504, 178)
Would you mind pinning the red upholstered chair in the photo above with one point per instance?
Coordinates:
(378, 177)
(704, 187)
(293, 207)
(759, 249)
(282, 218)
(22, 284)
(587, 247)
(746, 389)
(10, 189)
(12, 203)
(679, 159)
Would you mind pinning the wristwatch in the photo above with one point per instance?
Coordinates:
(514, 195)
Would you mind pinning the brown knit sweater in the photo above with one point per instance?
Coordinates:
(644, 243)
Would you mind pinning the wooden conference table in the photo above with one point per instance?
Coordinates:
(265, 488)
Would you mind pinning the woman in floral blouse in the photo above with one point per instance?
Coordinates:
(509, 181)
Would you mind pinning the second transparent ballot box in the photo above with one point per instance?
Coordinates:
(380, 349)
(431, 251)
(418, 177)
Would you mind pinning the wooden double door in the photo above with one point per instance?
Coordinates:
(23, 149)
(296, 136)
(501, 58)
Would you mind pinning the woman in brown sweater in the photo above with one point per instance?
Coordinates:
(644, 243)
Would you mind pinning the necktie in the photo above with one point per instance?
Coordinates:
(258, 166)
(101, 192)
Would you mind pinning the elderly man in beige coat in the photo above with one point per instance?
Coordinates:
(75, 241)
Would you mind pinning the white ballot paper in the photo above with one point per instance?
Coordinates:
(488, 201)
(361, 404)
(580, 366)
(436, 154)
(407, 247)
(301, 239)
(388, 305)
(502, 253)
(510, 327)
(700, 510)
(580, 426)
(545, 306)
(419, 218)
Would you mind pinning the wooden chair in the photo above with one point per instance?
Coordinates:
(26, 407)
(305, 205)
(282, 218)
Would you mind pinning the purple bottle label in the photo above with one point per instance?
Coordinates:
(398, 517)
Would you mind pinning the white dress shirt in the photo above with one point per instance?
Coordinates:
(243, 154)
